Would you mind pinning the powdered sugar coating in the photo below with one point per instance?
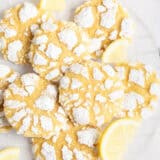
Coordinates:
(68, 37)
(66, 153)
(7, 76)
(142, 89)
(81, 116)
(40, 40)
(85, 18)
(107, 16)
(131, 100)
(113, 35)
(8, 32)
(115, 91)
(49, 25)
(48, 151)
(88, 136)
(32, 108)
(16, 31)
(53, 51)
(81, 145)
(126, 28)
(13, 49)
(155, 89)
(107, 19)
(61, 47)
(25, 12)
(79, 101)
(2, 43)
(137, 76)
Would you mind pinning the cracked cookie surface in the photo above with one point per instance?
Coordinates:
(77, 143)
(7, 76)
(16, 31)
(31, 107)
(105, 21)
(56, 46)
(142, 89)
(94, 94)
(91, 93)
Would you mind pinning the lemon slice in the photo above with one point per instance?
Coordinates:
(52, 5)
(5, 130)
(116, 51)
(115, 139)
(10, 154)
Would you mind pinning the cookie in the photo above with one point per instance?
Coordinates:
(7, 75)
(142, 93)
(105, 21)
(16, 30)
(31, 107)
(56, 46)
(91, 93)
(94, 94)
(75, 143)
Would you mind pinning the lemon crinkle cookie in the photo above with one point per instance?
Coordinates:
(16, 30)
(94, 94)
(55, 46)
(105, 21)
(142, 93)
(91, 93)
(7, 75)
(31, 107)
(77, 143)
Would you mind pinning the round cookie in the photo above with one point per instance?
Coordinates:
(7, 75)
(93, 95)
(105, 21)
(31, 107)
(142, 92)
(16, 30)
(75, 143)
(57, 46)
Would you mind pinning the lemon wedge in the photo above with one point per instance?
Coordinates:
(116, 51)
(116, 138)
(5, 130)
(52, 5)
(10, 154)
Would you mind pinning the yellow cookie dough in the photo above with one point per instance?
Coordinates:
(31, 107)
(55, 46)
(91, 93)
(105, 21)
(16, 30)
(75, 143)
(7, 75)
(142, 93)
(94, 94)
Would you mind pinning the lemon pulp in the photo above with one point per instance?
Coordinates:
(52, 5)
(116, 138)
(116, 52)
(10, 154)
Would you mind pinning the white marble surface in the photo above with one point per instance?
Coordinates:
(145, 48)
